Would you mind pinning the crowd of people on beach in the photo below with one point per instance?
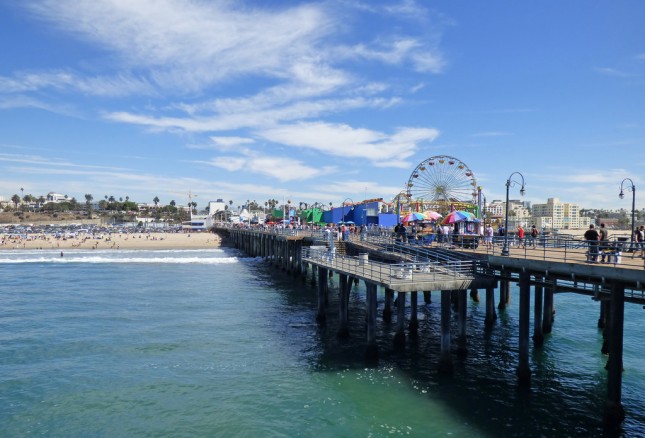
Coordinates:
(66, 237)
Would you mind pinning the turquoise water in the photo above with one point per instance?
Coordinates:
(211, 343)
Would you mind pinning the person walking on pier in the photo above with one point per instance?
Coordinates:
(603, 237)
(488, 236)
(592, 236)
(534, 234)
(520, 237)
(639, 236)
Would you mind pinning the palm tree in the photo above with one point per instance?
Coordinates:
(88, 202)
(15, 199)
(156, 201)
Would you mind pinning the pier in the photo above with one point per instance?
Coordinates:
(400, 269)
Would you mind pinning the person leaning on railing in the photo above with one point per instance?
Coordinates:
(592, 236)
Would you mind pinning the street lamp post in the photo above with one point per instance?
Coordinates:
(621, 195)
(510, 182)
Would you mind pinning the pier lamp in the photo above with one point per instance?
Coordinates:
(510, 182)
(343, 206)
(621, 195)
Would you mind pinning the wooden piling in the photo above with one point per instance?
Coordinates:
(445, 361)
(343, 326)
(371, 354)
(491, 315)
(523, 369)
(614, 413)
(399, 336)
(413, 326)
(538, 335)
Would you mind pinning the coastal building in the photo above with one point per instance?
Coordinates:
(215, 207)
(367, 212)
(496, 209)
(559, 215)
(56, 197)
(518, 212)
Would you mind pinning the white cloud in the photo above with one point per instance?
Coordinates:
(232, 164)
(231, 142)
(192, 44)
(281, 168)
(609, 71)
(248, 116)
(345, 141)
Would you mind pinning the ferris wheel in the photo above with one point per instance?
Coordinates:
(442, 180)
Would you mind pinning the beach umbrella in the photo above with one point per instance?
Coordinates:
(414, 216)
(459, 216)
(432, 215)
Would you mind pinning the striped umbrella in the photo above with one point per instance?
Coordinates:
(459, 216)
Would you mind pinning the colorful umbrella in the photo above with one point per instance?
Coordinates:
(432, 215)
(414, 216)
(459, 216)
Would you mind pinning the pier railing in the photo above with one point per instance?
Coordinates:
(411, 272)
(561, 248)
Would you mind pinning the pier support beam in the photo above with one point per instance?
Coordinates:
(387, 306)
(614, 412)
(491, 315)
(547, 318)
(462, 300)
(343, 327)
(371, 354)
(538, 335)
(606, 332)
(427, 297)
(321, 316)
(399, 336)
(604, 310)
(445, 361)
(413, 326)
(504, 292)
(523, 369)
(474, 294)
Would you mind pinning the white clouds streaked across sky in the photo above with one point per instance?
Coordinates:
(319, 101)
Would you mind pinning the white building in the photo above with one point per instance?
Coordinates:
(215, 207)
(559, 215)
(56, 197)
(518, 213)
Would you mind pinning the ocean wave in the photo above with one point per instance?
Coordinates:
(148, 260)
(203, 257)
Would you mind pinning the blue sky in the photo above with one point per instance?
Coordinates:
(320, 101)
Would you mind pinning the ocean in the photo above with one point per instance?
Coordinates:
(210, 343)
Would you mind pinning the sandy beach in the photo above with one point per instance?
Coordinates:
(114, 241)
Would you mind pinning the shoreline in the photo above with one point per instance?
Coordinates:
(116, 241)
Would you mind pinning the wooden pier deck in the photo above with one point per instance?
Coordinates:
(406, 276)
